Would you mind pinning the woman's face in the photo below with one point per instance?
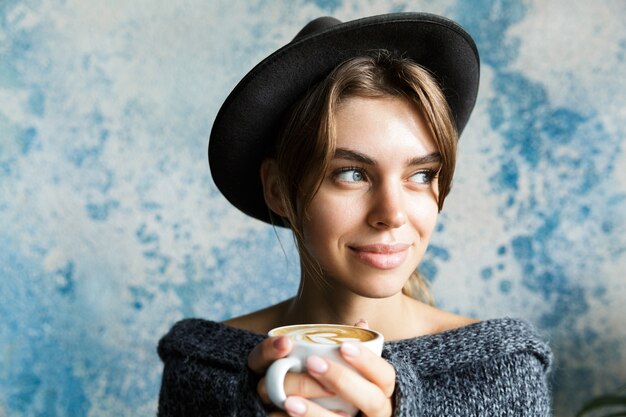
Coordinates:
(372, 217)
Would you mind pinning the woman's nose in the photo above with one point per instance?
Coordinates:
(387, 208)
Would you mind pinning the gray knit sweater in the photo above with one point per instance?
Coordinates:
(491, 368)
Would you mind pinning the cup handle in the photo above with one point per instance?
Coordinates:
(275, 379)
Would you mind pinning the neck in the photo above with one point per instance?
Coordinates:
(319, 303)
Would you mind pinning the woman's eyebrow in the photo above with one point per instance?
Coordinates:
(426, 159)
(342, 153)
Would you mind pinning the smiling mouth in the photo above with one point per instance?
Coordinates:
(382, 256)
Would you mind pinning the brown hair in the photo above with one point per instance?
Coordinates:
(307, 142)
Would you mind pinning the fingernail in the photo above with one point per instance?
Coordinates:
(295, 406)
(350, 349)
(316, 364)
(281, 343)
(361, 323)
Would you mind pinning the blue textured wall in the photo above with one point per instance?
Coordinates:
(111, 229)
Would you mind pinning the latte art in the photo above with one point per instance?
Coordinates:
(325, 334)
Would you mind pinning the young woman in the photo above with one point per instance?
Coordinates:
(347, 136)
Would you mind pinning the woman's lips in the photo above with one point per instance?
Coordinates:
(382, 255)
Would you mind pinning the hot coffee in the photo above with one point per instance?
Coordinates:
(325, 334)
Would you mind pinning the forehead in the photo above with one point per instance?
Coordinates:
(387, 122)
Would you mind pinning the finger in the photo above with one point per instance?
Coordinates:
(267, 352)
(373, 368)
(362, 323)
(300, 384)
(297, 406)
(350, 385)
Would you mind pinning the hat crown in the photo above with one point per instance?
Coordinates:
(316, 26)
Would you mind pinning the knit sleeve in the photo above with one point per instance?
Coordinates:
(505, 386)
(192, 389)
(205, 372)
(479, 371)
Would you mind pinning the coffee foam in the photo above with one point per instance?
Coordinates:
(326, 335)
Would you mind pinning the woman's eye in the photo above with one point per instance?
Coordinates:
(350, 175)
(423, 177)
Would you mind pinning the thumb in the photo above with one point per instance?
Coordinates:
(362, 323)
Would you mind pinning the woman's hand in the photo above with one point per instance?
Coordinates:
(300, 384)
(370, 389)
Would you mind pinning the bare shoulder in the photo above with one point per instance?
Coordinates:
(260, 321)
(427, 320)
(441, 321)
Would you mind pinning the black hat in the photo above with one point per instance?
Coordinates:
(245, 125)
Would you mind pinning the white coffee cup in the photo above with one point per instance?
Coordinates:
(322, 340)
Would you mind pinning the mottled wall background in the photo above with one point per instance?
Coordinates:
(111, 228)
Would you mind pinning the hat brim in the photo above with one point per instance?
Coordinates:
(245, 125)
